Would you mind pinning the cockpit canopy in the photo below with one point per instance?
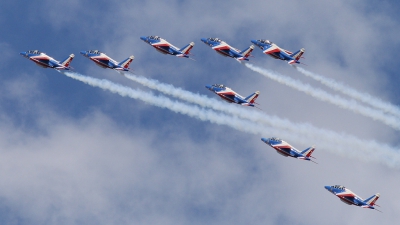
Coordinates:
(275, 139)
(33, 52)
(94, 52)
(219, 85)
(264, 41)
(154, 37)
(214, 39)
(339, 187)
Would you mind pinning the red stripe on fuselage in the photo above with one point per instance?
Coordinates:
(272, 51)
(163, 44)
(96, 60)
(40, 57)
(278, 149)
(222, 48)
(41, 63)
(344, 199)
(223, 53)
(162, 49)
(226, 98)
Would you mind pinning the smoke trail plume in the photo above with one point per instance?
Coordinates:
(325, 96)
(345, 145)
(175, 106)
(363, 97)
(204, 101)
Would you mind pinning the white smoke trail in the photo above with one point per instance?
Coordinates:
(175, 106)
(345, 145)
(204, 101)
(325, 96)
(363, 97)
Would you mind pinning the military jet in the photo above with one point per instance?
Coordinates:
(226, 50)
(105, 61)
(165, 47)
(276, 52)
(230, 96)
(45, 61)
(285, 149)
(350, 198)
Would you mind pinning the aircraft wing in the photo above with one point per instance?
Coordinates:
(101, 58)
(288, 52)
(221, 46)
(41, 58)
(161, 43)
(272, 49)
(285, 147)
(229, 93)
(346, 194)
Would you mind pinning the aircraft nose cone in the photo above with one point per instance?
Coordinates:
(328, 188)
(143, 38)
(204, 40)
(83, 52)
(23, 53)
(265, 140)
(254, 41)
(208, 87)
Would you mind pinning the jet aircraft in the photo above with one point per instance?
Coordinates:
(230, 96)
(285, 149)
(105, 61)
(348, 197)
(45, 61)
(165, 47)
(276, 52)
(226, 50)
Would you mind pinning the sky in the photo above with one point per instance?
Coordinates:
(72, 153)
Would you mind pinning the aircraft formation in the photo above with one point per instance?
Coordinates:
(224, 92)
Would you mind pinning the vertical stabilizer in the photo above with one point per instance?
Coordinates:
(307, 152)
(371, 200)
(186, 50)
(125, 64)
(252, 98)
(247, 51)
(297, 55)
(68, 60)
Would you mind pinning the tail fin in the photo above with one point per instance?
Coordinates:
(371, 200)
(68, 60)
(186, 50)
(297, 55)
(252, 98)
(308, 151)
(125, 64)
(247, 51)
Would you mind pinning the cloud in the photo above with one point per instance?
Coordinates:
(88, 156)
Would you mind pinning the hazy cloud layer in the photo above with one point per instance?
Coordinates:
(75, 154)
